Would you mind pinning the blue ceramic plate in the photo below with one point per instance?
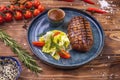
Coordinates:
(41, 25)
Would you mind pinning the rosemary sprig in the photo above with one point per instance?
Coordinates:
(23, 55)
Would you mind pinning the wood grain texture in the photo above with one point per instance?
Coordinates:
(105, 67)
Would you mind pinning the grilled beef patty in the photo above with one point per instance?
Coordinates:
(80, 34)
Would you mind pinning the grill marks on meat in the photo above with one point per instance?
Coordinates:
(80, 34)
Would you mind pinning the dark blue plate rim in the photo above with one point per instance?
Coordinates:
(75, 65)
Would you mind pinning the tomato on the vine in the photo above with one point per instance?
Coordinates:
(17, 7)
(28, 4)
(22, 7)
(27, 14)
(41, 8)
(11, 7)
(36, 12)
(3, 8)
(18, 15)
(8, 17)
(36, 3)
(1, 19)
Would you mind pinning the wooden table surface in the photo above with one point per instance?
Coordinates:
(105, 67)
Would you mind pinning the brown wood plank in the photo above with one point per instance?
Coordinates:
(104, 67)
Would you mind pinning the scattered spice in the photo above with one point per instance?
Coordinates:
(95, 10)
(25, 25)
(9, 69)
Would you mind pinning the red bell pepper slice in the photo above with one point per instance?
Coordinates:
(56, 33)
(38, 43)
(64, 54)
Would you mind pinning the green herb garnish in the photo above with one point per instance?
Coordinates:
(23, 55)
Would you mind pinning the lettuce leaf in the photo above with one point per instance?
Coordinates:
(60, 39)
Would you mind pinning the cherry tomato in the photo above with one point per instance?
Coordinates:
(27, 14)
(36, 12)
(1, 19)
(22, 7)
(8, 17)
(17, 7)
(18, 15)
(36, 3)
(28, 4)
(11, 7)
(3, 8)
(41, 8)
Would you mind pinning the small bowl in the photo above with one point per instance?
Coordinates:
(16, 62)
(56, 16)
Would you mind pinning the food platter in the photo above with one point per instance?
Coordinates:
(41, 25)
